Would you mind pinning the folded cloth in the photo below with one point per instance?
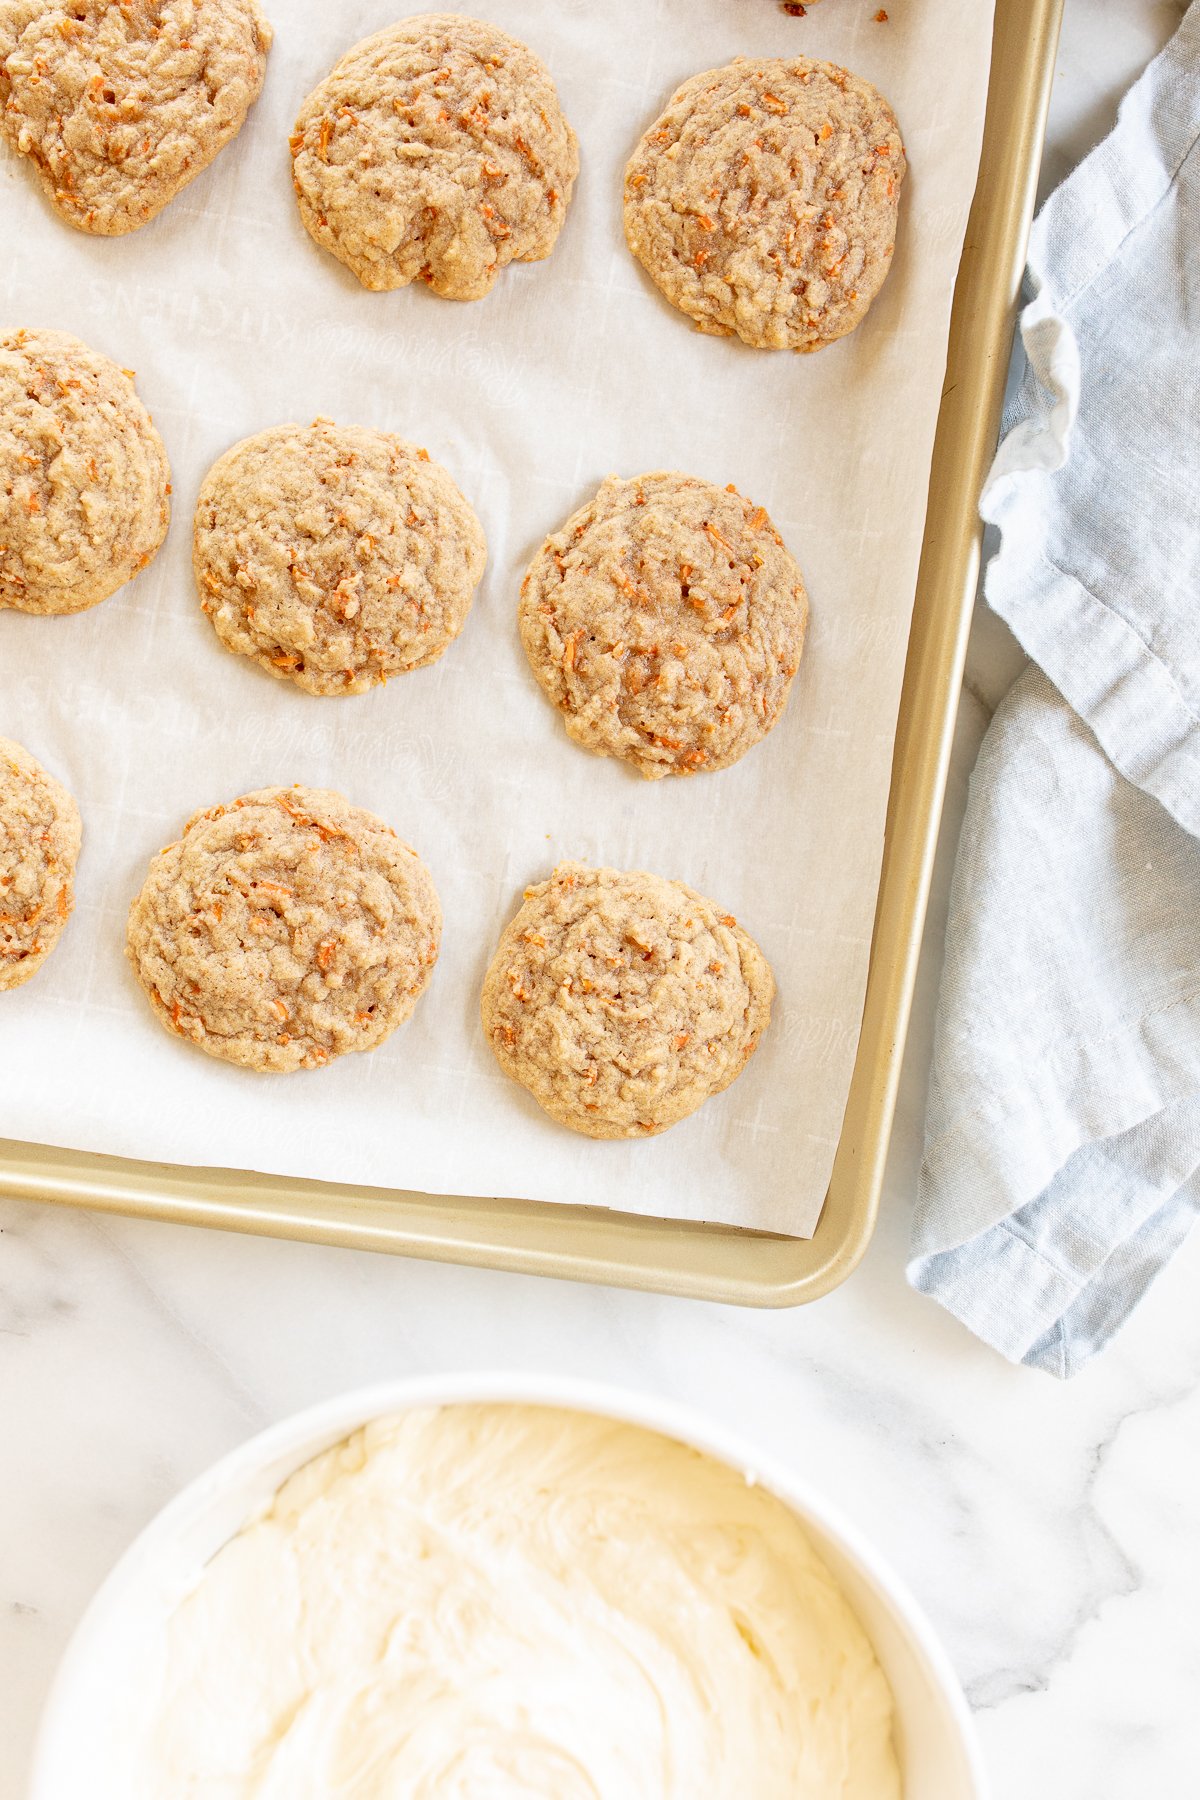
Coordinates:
(1062, 1138)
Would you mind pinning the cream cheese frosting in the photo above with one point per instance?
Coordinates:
(485, 1602)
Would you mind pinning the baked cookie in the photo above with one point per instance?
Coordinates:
(285, 929)
(763, 202)
(666, 621)
(40, 834)
(436, 149)
(84, 478)
(120, 103)
(623, 1001)
(335, 556)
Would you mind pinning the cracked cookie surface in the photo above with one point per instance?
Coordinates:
(666, 621)
(763, 202)
(84, 478)
(285, 929)
(119, 105)
(435, 150)
(335, 556)
(623, 1001)
(40, 835)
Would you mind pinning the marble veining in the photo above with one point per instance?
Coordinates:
(1049, 1529)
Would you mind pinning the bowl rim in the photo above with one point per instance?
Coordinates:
(304, 1434)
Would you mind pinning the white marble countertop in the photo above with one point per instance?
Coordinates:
(1048, 1528)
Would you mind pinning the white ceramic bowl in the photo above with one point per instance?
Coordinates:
(94, 1706)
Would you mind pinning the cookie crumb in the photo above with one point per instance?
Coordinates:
(881, 17)
(794, 9)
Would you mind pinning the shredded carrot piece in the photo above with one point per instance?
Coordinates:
(523, 149)
(631, 590)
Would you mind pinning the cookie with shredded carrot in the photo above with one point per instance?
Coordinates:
(40, 835)
(666, 622)
(763, 202)
(435, 151)
(623, 1001)
(118, 104)
(84, 478)
(335, 556)
(285, 929)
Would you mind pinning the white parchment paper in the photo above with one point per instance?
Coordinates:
(571, 369)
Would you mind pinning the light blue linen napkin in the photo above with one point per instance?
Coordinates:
(1062, 1137)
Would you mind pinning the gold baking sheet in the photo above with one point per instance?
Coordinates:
(710, 1261)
